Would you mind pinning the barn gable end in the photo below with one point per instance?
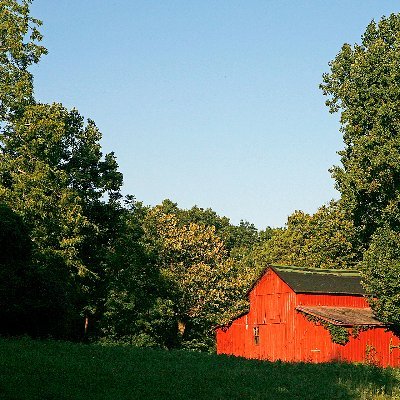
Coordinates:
(278, 324)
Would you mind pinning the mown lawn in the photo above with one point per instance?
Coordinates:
(48, 370)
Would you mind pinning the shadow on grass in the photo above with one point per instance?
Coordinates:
(57, 370)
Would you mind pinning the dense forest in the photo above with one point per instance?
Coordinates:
(79, 261)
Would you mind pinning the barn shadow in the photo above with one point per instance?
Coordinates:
(279, 381)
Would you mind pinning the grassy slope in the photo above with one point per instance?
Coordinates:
(49, 370)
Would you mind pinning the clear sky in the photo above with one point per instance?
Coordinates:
(213, 103)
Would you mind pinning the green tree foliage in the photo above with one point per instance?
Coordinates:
(202, 287)
(363, 86)
(15, 243)
(238, 239)
(31, 301)
(325, 239)
(51, 171)
(19, 49)
(381, 270)
(53, 174)
(133, 286)
(15, 254)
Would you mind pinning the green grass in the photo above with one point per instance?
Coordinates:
(48, 370)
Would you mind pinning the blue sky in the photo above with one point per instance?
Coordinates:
(213, 103)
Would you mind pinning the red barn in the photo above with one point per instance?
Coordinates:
(312, 315)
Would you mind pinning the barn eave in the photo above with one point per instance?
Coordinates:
(342, 316)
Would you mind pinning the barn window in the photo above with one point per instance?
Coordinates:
(256, 332)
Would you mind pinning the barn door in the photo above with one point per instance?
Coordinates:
(273, 344)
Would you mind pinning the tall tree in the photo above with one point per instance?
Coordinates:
(200, 283)
(363, 85)
(53, 174)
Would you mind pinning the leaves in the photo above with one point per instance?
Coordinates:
(364, 86)
(325, 239)
(381, 275)
(204, 285)
(19, 48)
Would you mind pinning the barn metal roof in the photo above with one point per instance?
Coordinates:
(343, 316)
(315, 280)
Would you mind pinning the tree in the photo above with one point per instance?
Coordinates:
(325, 239)
(200, 283)
(19, 49)
(363, 86)
(53, 174)
(31, 301)
(133, 285)
(380, 269)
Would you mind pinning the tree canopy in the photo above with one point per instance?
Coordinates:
(363, 85)
(325, 239)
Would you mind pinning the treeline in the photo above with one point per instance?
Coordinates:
(81, 262)
(77, 260)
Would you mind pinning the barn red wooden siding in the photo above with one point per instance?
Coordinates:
(274, 330)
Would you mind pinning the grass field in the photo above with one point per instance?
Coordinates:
(48, 370)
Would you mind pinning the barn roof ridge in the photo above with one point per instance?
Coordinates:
(322, 271)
